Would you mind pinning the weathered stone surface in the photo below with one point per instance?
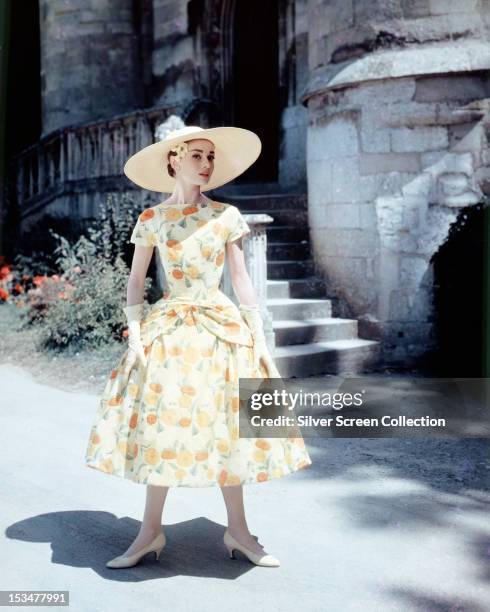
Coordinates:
(337, 137)
(443, 7)
(391, 162)
(345, 179)
(462, 87)
(94, 43)
(418, 139)
(342, 215)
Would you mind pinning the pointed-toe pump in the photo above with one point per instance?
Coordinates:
(263, 560)
(155, 546)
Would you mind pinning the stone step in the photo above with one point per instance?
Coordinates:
(289, 269)
(287, 233)
(269, 202)
(295, 331)
(353, 356)
(309, 340)
(288, 250)
(246, 189)
(299, 308)
(294, 217)
(308, 287)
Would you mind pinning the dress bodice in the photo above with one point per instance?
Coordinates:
(191, 242)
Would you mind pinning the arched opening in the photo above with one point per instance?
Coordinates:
(253, 81)
(460, 300)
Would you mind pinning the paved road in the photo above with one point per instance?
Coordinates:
(372, 525)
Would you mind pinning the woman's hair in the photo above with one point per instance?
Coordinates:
(180, 151)
(170, 170)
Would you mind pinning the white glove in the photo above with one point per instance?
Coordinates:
(253, 318)
(136, 350)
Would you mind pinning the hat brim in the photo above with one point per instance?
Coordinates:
(236, 149)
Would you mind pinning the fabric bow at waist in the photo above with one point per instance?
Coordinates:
(222, 320)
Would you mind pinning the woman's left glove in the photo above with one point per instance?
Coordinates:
(253, 318)
(136, 350)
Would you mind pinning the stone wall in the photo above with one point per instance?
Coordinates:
(176, 56)
(294, 80)
(396, 147)
(89, 61)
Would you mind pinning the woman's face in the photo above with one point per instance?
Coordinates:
(198, 165)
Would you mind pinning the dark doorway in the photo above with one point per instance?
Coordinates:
(460, 300)
(20, 104)
(23, 85)
(255, 82)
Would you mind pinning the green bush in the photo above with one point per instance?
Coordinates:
(81, 306)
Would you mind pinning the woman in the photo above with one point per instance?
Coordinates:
(169, 411)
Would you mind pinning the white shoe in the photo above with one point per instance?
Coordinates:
(155, 546)
(263, 560)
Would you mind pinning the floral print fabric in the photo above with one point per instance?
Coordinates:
(175, 421)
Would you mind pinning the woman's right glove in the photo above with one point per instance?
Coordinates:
(136, 350)
(253, 318)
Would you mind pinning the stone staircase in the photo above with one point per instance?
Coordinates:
(309, 340)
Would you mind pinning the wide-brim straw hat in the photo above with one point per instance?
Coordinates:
(235, 148)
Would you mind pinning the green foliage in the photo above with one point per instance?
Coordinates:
(81, 305)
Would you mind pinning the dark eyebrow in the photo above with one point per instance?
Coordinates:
(201, 151)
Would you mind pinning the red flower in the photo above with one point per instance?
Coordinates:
(19, 288)
(4, 271)
(125, 333)
(38, 280)
(4, 295)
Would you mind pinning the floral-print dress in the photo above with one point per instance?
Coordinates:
(175, 421)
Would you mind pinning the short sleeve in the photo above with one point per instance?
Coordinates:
(143, 233)
(239, 227)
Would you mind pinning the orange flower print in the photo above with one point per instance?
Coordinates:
(107, 466)
(147, 214)
(263, 444)
(184, 458)
(233, 327)
(222, 477)
(151, 456)
(190, 210)
(133, 421)
(172, 214)
(174, 244)
(176, 273)
(220, 259)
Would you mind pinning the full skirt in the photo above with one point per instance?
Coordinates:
(175, 422)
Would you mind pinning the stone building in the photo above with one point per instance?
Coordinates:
(373, 117)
